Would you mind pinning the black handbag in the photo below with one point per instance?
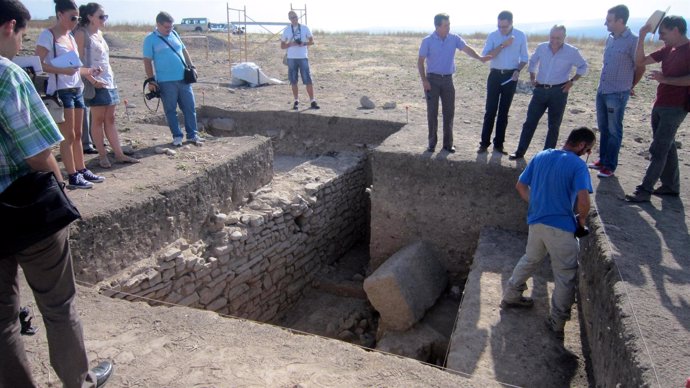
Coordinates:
(189, 72)
(189, 75)
(32, 208)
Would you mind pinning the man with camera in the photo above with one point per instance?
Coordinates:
(164, 51)
(553, 184)
(27, 135)
(295, 39)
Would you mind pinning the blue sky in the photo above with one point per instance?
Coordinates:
(400, 15)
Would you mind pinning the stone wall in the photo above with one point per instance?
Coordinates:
(255, 262)
(105, 242)
(445, 202)
(616, 350)
(297, 133)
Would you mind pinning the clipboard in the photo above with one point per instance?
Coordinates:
(32, 61)
(655, 20)
(68, 59)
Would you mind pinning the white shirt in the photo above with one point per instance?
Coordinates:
(45, 39)
(290, 33)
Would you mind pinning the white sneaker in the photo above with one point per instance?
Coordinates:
(197, 140)
(177, 141)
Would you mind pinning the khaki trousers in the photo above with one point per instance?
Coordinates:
(563, 248)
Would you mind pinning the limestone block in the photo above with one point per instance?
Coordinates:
(217, 304)
(406, 285)
(188, 301)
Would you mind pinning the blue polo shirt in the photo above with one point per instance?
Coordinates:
(440, 53)
(168, 66)
(554, 178)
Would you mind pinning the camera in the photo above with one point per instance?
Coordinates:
(298, 40)
(151, 95)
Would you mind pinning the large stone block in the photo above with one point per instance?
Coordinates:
(406, 285)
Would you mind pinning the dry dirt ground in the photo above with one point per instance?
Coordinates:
(346, 67)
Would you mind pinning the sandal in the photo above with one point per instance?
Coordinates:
(127, 159)
(105, 162)
(522, 302)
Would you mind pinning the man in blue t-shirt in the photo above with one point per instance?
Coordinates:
(553, 184)
(165, 60)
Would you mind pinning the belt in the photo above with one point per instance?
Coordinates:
(439, 75)
(543, 86)
(70, 90)
(503, 71)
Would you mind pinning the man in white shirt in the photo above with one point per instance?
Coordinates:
(296, 37)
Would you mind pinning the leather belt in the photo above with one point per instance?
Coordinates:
(439, 75)
(70, 90)
(503, 71)
(544, 86)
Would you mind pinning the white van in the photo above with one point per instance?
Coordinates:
(193, 24)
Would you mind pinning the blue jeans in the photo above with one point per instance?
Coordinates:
(172, 94)
(553, 99)
(610, 111)
(664, 156)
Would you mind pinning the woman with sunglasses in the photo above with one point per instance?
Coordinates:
(94, 53)
(66, 81)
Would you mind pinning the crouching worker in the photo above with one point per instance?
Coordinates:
(554, 182)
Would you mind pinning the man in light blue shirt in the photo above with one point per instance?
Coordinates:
(165, 53)
(508, 50)
(438, 51)
(555, 60)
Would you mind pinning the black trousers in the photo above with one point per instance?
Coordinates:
(552, 100)
(498, 100)
(441, 87)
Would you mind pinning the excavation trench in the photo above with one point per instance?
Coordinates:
(299, 209)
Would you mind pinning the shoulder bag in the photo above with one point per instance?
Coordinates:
(189, 73)
(32, 208)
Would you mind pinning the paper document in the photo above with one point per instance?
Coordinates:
(656, 18)
(68, 59)
(32, 61)
(506, 82)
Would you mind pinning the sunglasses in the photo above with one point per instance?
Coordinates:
(75, 18)
(103, 17)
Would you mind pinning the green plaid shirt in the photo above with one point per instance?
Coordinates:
(26, 127)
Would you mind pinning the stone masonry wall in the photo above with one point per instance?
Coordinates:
(106, 242)
(255, 262)
(615, 348)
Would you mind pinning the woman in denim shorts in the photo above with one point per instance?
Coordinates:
(66, 83)
(94, 52)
